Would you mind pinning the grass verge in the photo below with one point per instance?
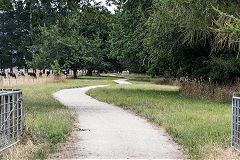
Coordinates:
(47, 122)
(202, 127)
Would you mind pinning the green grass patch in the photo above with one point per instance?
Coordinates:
(47, 121)
(140, 79)
(194, 123)
(99, 77)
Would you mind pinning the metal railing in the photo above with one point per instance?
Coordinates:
(11, 117)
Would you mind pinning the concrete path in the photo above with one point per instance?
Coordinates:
(122, 81)
(109, 132)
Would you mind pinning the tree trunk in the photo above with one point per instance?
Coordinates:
(26, 69)
(89, 72)
(75, 73)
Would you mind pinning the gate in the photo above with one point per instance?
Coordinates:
(11, 117)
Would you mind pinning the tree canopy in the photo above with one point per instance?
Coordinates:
(194, 38)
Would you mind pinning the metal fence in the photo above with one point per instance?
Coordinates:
(11, 117)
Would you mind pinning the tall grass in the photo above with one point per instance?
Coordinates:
(47, 122)
(209, 91)
(166, 81)
(201, 89)
(201, 126)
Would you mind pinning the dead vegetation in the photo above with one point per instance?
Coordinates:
(201, 89)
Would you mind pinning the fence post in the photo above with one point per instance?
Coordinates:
(8, 111)
(1, 79)
(9, 81)
(4, 121)
(17, 117)
(13, 117)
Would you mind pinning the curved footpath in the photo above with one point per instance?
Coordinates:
(122, 81)
(110, 132)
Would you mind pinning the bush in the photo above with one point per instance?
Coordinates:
(56, 68)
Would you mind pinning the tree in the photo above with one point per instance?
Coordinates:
(78, 41)
(127, 34)
(180, 38)
(56, 68)
(227, 30)
(9, 36)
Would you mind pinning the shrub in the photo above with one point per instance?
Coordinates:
(56, 69)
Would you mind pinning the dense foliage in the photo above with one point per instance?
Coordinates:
(193, 38)
(36, 33)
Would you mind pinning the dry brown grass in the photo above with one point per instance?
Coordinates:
(20, 151)
(214, 151)
(30, 81)
(166, 81)
(201, 89)
(208, 91)
(128, 75)
(135, 75)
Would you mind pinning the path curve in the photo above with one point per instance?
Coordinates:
(110, 132)
(122, 81)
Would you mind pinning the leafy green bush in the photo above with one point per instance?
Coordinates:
(56, 68)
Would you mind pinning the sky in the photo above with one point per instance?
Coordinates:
(110, 8)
